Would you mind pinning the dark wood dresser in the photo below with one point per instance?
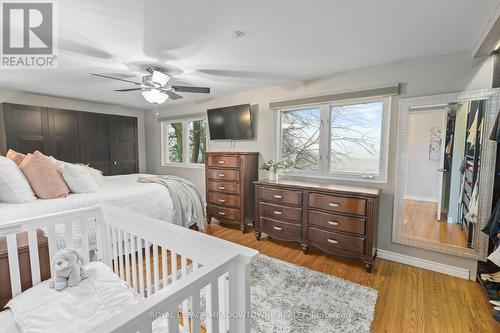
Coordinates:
(340, 220)
(229, 181)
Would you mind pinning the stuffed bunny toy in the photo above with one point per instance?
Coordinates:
(68, 269)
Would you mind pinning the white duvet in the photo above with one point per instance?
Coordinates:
(123, 191)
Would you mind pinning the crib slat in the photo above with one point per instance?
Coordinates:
(132, 256)
(173, 320)
(120, 254)
(173, 262)
(156, 268)
(85, 240)
(164, 268)
(68, 234)
(34, 262)
(141, 266)
(101, 250)
(15, 277)
(51, 235)
(127, 256)
(213, 307)
(195, 307)
(113, 246)
(185, 307)
(148, 268)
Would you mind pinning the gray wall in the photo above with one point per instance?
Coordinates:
(451, 73)
(72, 104)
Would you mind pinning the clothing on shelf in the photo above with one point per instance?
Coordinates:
(494, 257)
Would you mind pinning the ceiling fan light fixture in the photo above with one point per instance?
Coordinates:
(160, 78)
(154, 96)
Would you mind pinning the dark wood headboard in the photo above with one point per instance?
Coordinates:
(106, 142)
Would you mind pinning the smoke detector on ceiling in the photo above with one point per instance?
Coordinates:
(238, 34)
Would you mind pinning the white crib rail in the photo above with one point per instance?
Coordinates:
(169, 265)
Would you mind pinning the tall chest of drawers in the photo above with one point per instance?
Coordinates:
(339, 220)
(229, 178)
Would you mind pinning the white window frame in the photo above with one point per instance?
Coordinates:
(185, 142)
(324, 141)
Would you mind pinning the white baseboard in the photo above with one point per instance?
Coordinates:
(425, 264)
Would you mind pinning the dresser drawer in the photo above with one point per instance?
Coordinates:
(225, 187)
(281, 230)
(224, 161)
(224, 199)
(336, 222)
(280, 212)
(223, 174)
(224, 212)
(281, 196)
(338, 204)
(333, 240)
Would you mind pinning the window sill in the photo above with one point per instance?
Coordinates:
(347, 178)
(182, 165)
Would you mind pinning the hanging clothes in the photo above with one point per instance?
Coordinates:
(473, 205)
(495, 133)
(471, 138)
(492, 228)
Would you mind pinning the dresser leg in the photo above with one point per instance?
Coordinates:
(243, 229)
(305, 248)
(368, 267)
(257, 235)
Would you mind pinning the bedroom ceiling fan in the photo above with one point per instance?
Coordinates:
(155, 88)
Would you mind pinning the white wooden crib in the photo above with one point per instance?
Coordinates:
(220, 269)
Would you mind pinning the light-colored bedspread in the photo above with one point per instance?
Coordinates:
(123, 191)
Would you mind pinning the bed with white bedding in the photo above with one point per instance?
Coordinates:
(123, 191)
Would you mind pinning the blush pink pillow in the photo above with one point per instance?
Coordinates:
(44, 177)
(15, 156)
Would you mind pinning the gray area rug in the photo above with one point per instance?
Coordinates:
(290, 298)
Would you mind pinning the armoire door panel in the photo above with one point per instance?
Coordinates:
(26, 128)
(97, 140)
(65, 135)
(123, 133)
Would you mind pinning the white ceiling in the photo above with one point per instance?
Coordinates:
(285, 41)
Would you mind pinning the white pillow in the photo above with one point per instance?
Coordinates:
(96, 174)
(77, 177)
(14, 187)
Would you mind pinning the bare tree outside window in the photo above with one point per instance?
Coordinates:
(175, 142)
(300, 138)
(355, 137)
(197, 141)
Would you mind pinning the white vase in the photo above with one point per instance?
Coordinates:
(273, 177)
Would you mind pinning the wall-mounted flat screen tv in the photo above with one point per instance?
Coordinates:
(230, 123)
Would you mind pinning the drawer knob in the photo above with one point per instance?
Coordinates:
(221, 175)
(277, 212)
(222, 213)
(334, 204)
(332, 241)
(221, 162)
(277, 196)
(333, 223)
(222, 200)
(278, 228)
(222, 188)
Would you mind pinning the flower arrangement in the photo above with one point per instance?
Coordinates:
(274, 167)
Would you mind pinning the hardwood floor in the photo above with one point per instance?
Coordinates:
(421, 222)
(410, 299)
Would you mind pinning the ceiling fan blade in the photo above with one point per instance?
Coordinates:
(172, 95)
(130, 89)
(115, 78)
(188, 89)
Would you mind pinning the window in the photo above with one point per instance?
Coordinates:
(184, 141)
(346, 140)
